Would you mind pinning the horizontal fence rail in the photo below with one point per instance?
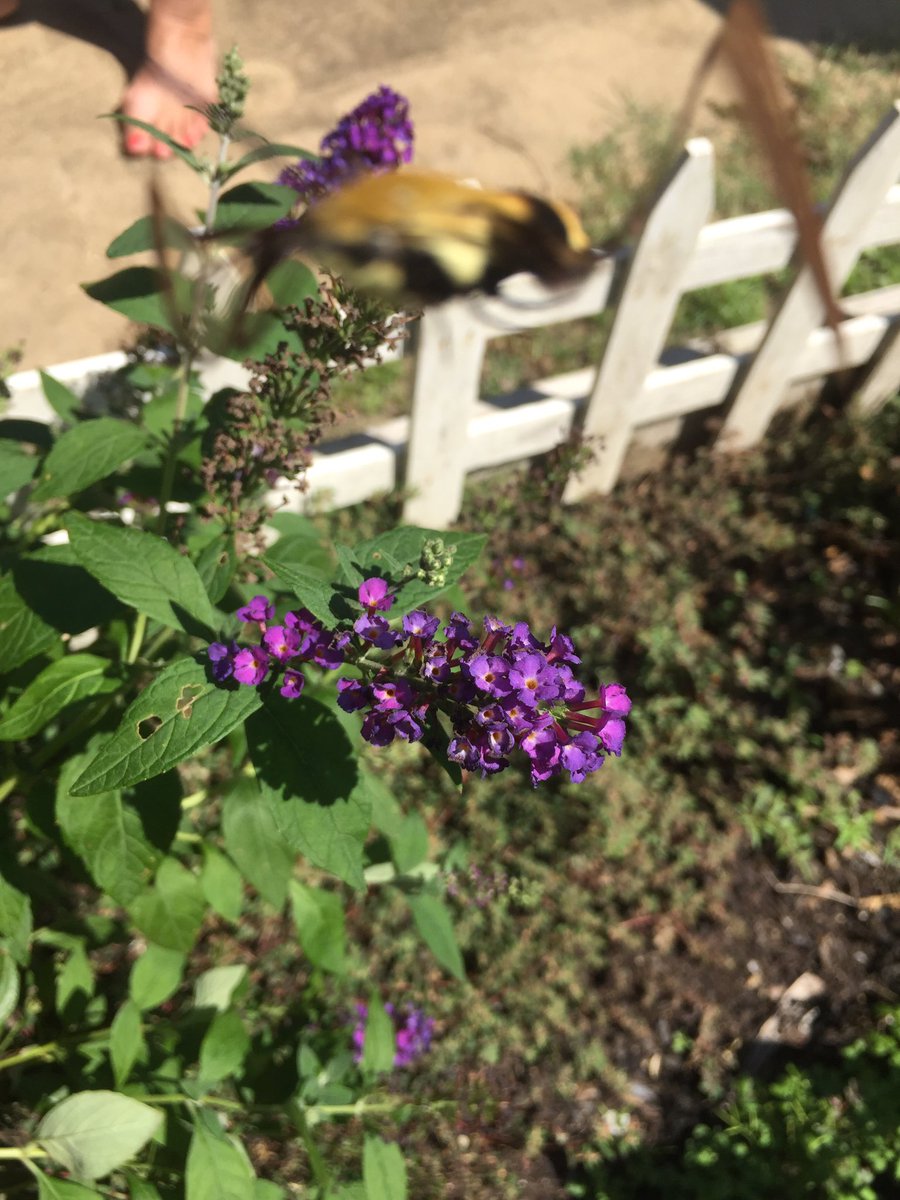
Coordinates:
(453, 430)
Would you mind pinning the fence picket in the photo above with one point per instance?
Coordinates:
(759, 391)
(647, 304)
(883, 377)
(449, 356)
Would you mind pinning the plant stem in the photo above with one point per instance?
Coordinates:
(215, 185)
(32, 1150)
(137, 638)
(320, 1171)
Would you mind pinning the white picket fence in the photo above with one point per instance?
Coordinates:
(452, 430)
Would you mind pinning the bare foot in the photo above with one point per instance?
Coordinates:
(180, 69)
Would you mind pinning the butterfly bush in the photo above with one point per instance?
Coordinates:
(376, 136)
(503, 690)
(413, 1033)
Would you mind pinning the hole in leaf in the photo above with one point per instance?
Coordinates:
(148, 726)
(186, 697)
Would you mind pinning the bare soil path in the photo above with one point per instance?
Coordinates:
(500, 89)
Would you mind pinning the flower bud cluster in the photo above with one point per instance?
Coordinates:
(502, 692)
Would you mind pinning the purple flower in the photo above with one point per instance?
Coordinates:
(506, 694)
(251, 665)
(222, 659)
(352, 695)
(292, 684)
(282, 642)
(419, 624)
(373, 594)
(413, 1033)
(259, 609)
(376, 136)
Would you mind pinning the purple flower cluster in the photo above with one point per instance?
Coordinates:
(376, 136)
(413, 1033)
(502, 692)
(284, 647)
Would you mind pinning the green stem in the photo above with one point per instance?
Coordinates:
(137, 638)
(48, 1050)
(320, 1171)
(215, 185)
(32, 1150)
(168, 476)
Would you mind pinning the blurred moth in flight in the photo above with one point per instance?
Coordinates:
(420, 237)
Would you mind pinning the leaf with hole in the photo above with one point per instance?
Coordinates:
(176, 715)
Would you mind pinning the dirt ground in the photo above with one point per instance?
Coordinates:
(500, 89)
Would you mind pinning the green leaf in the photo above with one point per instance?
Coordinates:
(16, 467)
(312, 590)
(59, 590)
(141, 236)
(126, 1041)
(60, 1189)
(182, 151)
(141, 1189)
(106, 834)
(216, 564)
(63, 682)
(143, 570)
(176, 715)
(224, 1047)
(291, 282)
(306, 768)
(252, 206)
(319, 918)
(380, 1044)
(409, 844)
(384, 1171)
(23, 634)
(9, 986)
(155, 976)
(15, 921)
(171, 912)
(61, 399)
(435, 927)
(266, 1189)
(266, 151)
(86, 453)
(403, 546)
(74, 980)
(92, 1133)
(137, 293)
(254, 842)
(216, 1169)
(222, 884)
(216, 987)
